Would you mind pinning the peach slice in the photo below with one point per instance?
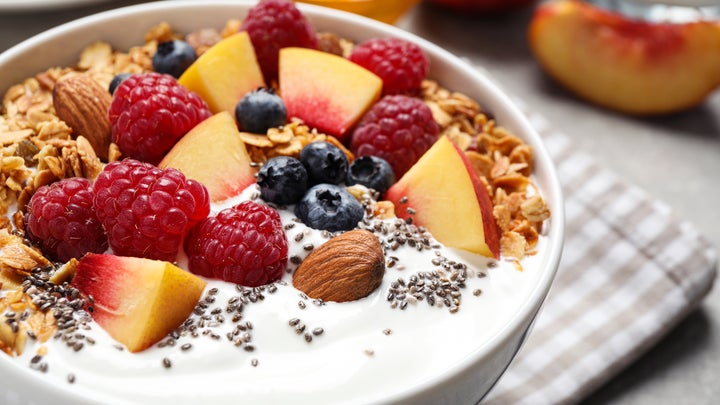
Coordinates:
(326, 91)
(213, 154)
(225, 73)
(631, 66)
(137, 301)
(443, 193)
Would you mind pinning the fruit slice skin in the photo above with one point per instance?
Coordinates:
(213, 154)
(224, 73)
(635, 67)
(137, 301)
(449, 199)
(326, 91)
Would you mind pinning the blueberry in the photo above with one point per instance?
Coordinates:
(371, 171)
(324, 162)
(173, 57)
(260, 110)
(329, 207)
(282, 180)
(115, 82)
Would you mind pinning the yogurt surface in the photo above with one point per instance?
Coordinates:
(276, 345)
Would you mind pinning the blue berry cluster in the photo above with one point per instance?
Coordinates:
(314, 182)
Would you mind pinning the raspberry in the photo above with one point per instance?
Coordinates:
(244, 244)
(147, 211)
(398, 129)
(400, 64)
(275, 24)
(150, 112)
(60, 218)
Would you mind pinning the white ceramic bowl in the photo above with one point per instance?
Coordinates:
(469, 379)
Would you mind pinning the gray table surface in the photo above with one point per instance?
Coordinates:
(675, 158)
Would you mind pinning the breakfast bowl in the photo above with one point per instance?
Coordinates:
(290, 347)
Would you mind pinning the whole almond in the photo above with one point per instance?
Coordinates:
(83, 104)
(348, 267)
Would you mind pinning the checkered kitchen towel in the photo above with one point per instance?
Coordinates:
(630, 271)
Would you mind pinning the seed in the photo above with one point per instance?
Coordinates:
(318, 331)
(166, 362)
(71, 378)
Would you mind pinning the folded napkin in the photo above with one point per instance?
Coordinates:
(630, 271)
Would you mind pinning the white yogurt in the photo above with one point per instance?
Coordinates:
(367, 350)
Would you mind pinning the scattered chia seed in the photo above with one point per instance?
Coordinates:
(318, 331)
(254, 362)
(71, 378)
(166, 362)
(387, 331)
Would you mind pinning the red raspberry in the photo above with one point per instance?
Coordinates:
(398, 129)
(147, 211)
(150, 112)
(244, 244)
(275, 24)
(400, 64)
(60, 218)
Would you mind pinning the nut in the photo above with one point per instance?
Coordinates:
(83, 104)
(345, 268)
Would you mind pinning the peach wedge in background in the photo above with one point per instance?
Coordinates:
(635, 67)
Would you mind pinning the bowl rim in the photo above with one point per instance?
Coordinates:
(551, 190)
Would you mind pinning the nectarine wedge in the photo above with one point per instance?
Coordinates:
(137, 301)
(225, 73)
(635, 67)
(443, 193)
(326, 91)
(213, 154)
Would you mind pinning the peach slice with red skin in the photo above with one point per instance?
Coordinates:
(635, 67)
(224, 73)
(213, 154)
(137, 301)
(443, 193)
(326, 91)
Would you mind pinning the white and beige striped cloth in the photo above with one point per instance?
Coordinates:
(630, 272)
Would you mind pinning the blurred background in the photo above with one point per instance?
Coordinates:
(674, 156)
